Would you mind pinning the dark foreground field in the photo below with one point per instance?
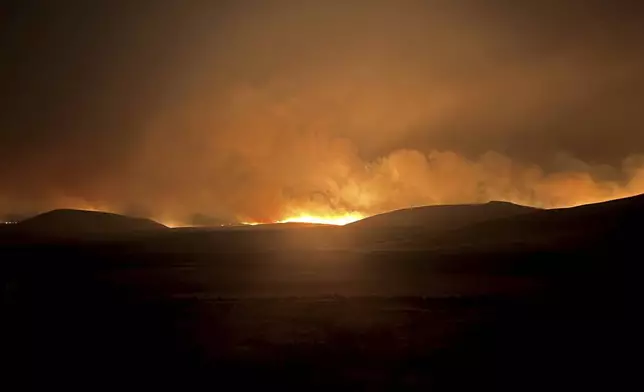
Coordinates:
(286, 309)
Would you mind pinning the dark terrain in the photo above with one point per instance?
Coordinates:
(492, 297)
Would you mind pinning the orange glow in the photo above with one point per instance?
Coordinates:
(170, 223)
(338, 220)
(327, 219)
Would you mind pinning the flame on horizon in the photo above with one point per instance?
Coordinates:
(337, 220)
(320, 219)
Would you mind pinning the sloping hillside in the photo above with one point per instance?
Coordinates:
(443, 217)
(614, 221)
(63, 223)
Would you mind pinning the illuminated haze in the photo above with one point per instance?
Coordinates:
(208, 111)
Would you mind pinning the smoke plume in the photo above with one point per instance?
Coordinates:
(261, 110)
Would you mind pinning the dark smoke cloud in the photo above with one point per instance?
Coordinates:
(258, 110)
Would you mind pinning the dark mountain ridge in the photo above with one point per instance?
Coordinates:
(443, 217)
(615, 221)
(68, 222)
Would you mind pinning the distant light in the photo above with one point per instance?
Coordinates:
(337, 220)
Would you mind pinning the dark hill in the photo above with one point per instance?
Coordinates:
(617, 222)
(443, 217)
(66, 222)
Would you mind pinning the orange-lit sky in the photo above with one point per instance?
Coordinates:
(201, 112)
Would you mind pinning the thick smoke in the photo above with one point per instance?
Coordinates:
(256, 111)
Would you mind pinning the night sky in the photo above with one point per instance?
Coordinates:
(260, 110)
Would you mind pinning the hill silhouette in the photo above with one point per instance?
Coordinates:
(614, 221)
(443, 217)
(68, 222)
(615, 216)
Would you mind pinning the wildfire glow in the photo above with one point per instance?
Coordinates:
(339, 220)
